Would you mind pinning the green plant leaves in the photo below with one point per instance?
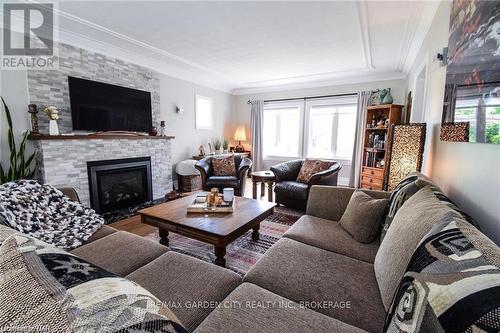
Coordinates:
(19, 167)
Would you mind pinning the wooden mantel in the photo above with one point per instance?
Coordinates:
(97, 136)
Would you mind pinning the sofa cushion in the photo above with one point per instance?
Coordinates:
(222, 181)
(362, 216)
(291, 189)
(224, 166)
(412, 221)
(452, 283)
(403, 191)
(103, 231)
(46, 287)
(186, 282)
(324, 281)
(311, 167)
(329, 235)
(242, 314)
(120, 252)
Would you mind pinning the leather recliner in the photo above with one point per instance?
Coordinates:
(209, 180)
(294, 194)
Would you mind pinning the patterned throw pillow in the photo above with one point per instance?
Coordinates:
(224, 166)
(403, 191)
(311, 167)
(46, 289)
(452, 283)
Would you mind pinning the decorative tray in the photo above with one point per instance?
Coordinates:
(200, 206)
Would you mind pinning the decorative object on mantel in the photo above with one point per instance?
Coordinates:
(472, 92)
(32, 110)
(456, 132)
(163, 130)
(407, 149)
(201, 150)
(154, 131)
(385, 96)
(53, 114)
(240, 135)
(19, 167)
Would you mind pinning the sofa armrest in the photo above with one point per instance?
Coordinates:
(326, 177)
(204, 167)
(287, 170)
(330, 202)
(245, 164)
(70, 193)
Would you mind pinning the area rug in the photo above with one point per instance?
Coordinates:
(244, 252)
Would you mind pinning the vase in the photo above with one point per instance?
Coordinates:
(53, 129)
(388, 97)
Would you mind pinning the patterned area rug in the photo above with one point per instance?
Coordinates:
(244, 252)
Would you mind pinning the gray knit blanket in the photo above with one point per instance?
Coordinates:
(44, 212)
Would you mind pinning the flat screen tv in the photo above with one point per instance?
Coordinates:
(97, 106)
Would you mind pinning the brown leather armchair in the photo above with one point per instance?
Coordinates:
(208, 180)
(294, 194)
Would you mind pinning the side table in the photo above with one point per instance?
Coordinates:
(263, 177)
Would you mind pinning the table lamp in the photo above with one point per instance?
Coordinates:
(239, 136)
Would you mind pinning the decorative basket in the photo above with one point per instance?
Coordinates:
(189, 183)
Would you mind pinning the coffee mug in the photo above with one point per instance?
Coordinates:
(228, 194)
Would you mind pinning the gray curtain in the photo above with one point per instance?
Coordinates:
(256, 122)
(357, 154)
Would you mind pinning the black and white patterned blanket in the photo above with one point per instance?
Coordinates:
(44, 212)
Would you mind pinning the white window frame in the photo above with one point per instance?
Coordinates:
(198, 97)
(304, 128)
(288, 104)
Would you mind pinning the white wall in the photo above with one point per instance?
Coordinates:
(469, 173)
(242, 115)
(175, 92)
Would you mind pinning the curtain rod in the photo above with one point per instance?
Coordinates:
(304, 98)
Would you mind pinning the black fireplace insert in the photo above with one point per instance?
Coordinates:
(119, 184)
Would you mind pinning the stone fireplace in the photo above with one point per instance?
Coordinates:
(64, 160)
(118, 184)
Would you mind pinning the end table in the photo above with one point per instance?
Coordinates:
(263, 177)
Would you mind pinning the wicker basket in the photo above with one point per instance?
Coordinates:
(189, 183)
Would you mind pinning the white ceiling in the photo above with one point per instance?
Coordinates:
(249, 46)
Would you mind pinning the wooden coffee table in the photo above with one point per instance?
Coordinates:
(218, 229)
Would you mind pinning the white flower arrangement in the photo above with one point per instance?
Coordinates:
(52, 112)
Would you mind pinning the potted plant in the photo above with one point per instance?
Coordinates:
(53, 114)
(19, 166)
(225, 145)
(217, 145)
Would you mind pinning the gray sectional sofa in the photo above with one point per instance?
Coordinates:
(316, 278)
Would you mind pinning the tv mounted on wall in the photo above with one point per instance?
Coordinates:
(97, 106)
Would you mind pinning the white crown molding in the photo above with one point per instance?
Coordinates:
(365, 33)
(409, 34)
(423, 25)
(339, 81)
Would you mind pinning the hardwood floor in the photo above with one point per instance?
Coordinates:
(133, 224)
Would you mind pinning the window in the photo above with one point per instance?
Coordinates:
(281, 134)
(316, 128)
(203, 112)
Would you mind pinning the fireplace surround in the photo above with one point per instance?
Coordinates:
(119, 183)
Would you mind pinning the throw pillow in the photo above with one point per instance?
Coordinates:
(47, 289)
(362, 216)
(451, 284)
(311, 167)
(224, 166)
(415, 218)
(403, 191)
(44, 212)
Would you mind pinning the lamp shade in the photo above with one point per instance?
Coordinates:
(240, 134)
(407, 148)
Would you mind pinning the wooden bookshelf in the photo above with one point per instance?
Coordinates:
(376, 144)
